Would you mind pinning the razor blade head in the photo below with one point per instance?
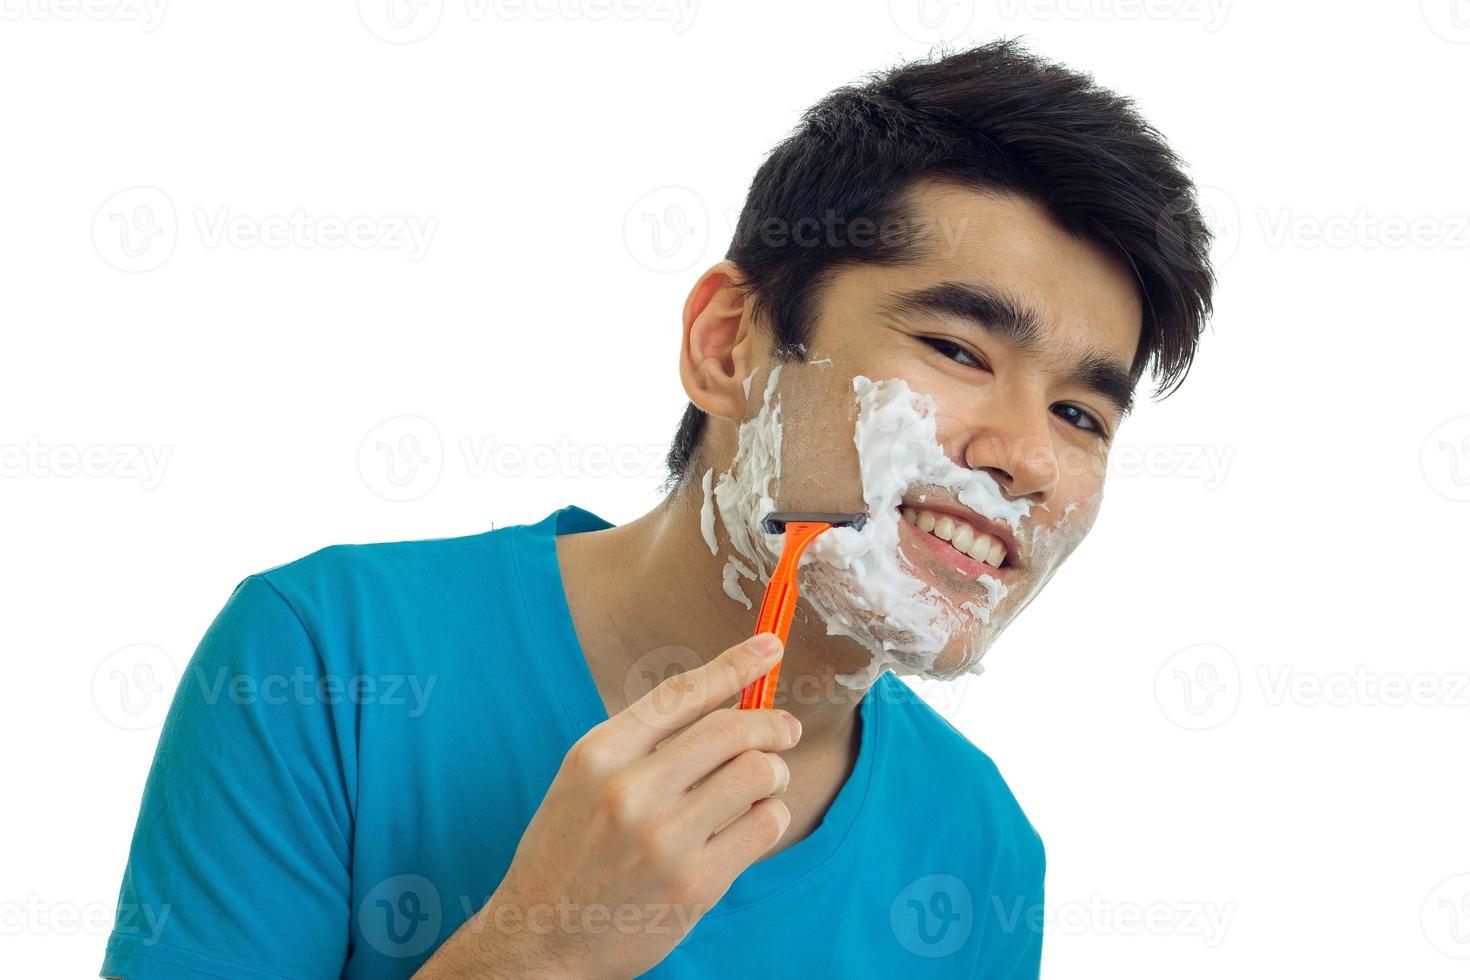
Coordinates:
(776, 521)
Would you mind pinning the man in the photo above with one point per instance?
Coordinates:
(942, 292)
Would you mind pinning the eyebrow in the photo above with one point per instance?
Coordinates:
(1003, 316)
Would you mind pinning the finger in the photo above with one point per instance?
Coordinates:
(748, 837)
(681, 700)
(730, 790)
(716, 739)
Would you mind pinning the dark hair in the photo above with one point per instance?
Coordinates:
(992, 117)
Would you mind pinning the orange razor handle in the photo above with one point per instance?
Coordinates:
(779, 605)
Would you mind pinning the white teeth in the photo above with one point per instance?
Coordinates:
(980, 548)
(978, 545)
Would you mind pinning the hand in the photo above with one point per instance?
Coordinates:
(651, 817)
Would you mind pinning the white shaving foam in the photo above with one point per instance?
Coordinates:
(861, 583)
(733, 569)
(707, 514)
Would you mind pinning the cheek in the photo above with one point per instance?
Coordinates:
(1068, 518)
(1081, 470)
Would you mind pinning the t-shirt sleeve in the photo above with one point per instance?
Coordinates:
(240, 861)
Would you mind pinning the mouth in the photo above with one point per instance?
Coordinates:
(974, 544)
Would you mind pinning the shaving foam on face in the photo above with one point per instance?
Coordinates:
(861, 583)
(743, 494)
(707, 515)
(734, 568)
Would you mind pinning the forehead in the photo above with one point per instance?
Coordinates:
(1084, 291)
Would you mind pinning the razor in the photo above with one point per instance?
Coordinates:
(779, 603)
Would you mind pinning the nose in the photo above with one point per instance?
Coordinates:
(1013, 443)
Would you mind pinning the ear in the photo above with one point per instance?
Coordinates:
(715, 356)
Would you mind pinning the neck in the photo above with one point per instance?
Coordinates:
(653, 583)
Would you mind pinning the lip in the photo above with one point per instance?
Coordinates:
(1014, 557)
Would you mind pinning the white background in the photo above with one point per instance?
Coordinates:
(1238, 716)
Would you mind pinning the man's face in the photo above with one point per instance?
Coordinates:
(1022, 336)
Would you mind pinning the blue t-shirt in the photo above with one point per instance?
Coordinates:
(363, 735)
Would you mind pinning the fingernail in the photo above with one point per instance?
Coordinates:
(793, 723)
(765, 644)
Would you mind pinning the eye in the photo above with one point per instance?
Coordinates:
(955, 351)
(1078, 417)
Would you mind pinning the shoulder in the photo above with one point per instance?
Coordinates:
(363, 580)
(385, 564)
(374, 605)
